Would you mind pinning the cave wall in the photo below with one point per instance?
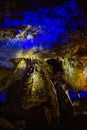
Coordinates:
(13, 6)
(54, 22)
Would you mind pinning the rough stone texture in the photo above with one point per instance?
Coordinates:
(74, 59)
(27, 77)
(32, 89)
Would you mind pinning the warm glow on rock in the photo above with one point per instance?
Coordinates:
(85, 84)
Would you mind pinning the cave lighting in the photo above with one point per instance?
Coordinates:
(53, 22)
(3, 96)
(81, 94)
(85, 72)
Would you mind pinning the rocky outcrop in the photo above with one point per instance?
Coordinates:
(30, 88)
(74, 60)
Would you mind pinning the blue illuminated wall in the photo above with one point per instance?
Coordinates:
(78, 95)
(3, 96)
(55, 23)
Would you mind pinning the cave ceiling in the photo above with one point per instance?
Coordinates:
(43, 45)
(56, 30)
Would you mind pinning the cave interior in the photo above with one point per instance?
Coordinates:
(43, 64)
